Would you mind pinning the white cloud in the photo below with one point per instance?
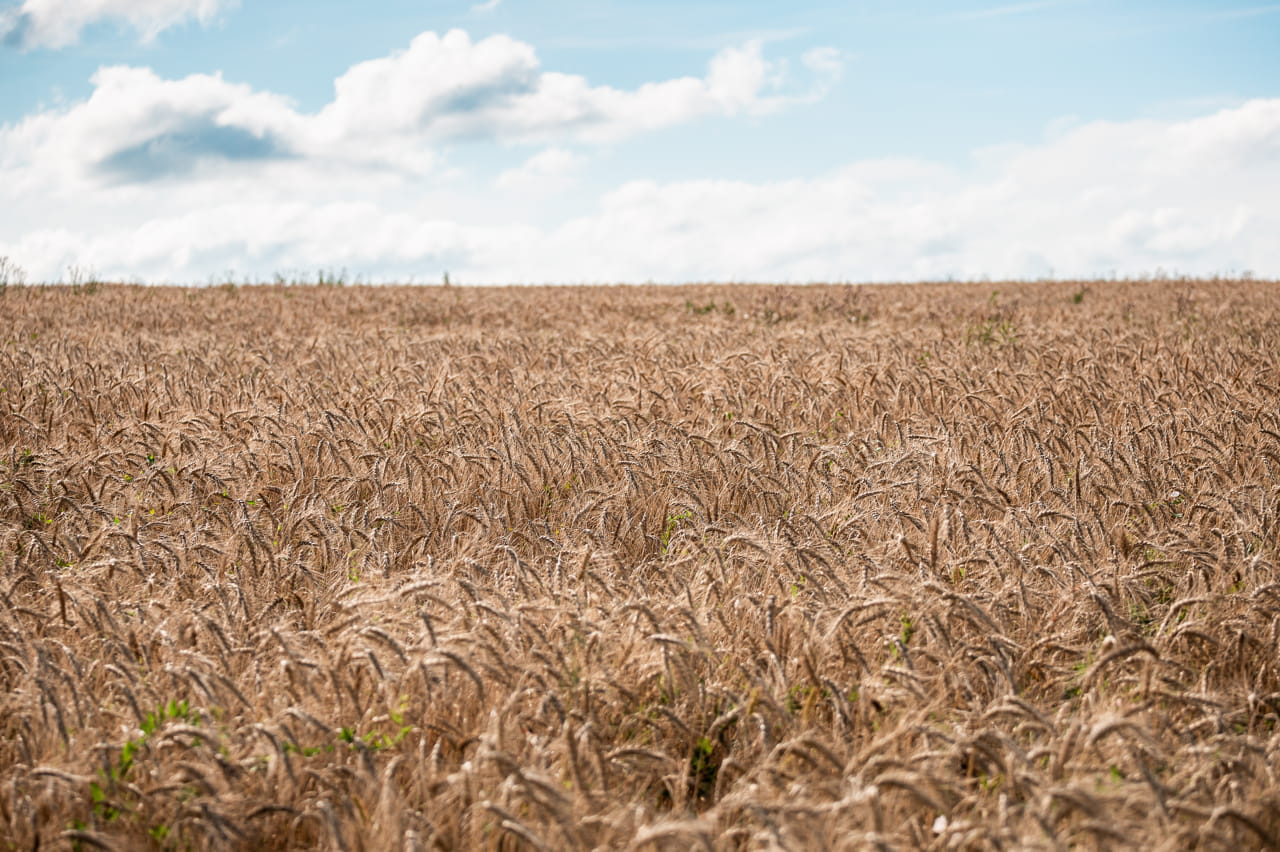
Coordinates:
(58, 23)
(1006, 10)
(136, 127)
(389, 113)
(124, 183)
(486, 6)
(448, 86)
(1248, 12)
(545, 171)
(826, 63)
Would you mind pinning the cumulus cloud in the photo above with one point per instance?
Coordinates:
(138, 127)
(58, 23)
(388, 113)
(449, 86)
(181, 150)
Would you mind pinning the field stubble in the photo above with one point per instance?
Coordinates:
(827, 567)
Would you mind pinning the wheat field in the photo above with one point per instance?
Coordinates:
(953, 566)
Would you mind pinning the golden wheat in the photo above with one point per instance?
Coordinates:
(945, 566)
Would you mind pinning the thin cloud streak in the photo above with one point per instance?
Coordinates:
(1251, 12)
(1004, 11)
(710, 41)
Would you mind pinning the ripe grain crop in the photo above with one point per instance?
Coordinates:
(953, 566)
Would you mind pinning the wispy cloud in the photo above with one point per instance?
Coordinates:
(1004, 11)
(708, 41)
(717, 41)
(486, 6)
(1247, 12)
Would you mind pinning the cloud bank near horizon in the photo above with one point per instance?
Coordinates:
(198, 177)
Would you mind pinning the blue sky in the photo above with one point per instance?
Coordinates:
(531, 140)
